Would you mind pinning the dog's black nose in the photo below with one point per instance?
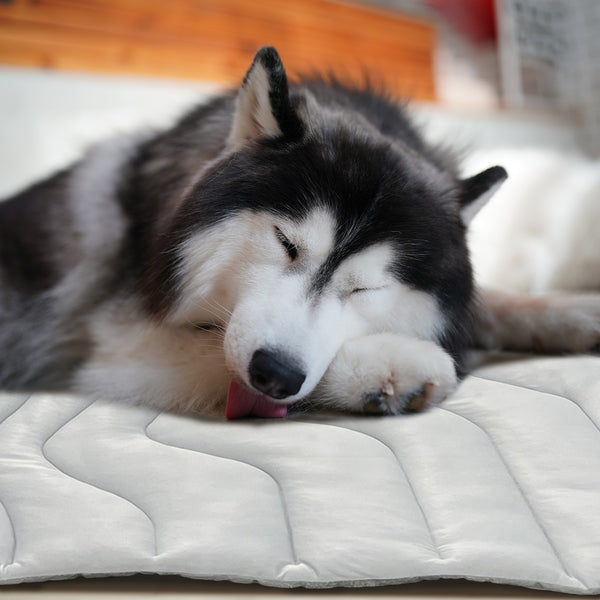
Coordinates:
(275, 374)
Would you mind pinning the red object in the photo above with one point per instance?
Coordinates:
(474, 19)
(242, 402)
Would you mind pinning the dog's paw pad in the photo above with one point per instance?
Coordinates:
(386, 402)
(421, 399)
(380, 402)
(375, 404)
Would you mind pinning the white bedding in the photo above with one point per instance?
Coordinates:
(501, 483)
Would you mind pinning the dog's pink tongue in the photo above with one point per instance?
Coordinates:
(242, 402)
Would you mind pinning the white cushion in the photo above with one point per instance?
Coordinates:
(501, 483)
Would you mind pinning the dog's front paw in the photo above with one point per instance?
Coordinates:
(387, 374)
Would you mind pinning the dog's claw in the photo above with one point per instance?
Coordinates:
(387, 389)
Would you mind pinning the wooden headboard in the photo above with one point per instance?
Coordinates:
(214, 40)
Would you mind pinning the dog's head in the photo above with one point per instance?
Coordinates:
(324, 218)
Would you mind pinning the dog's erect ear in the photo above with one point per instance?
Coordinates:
(263, 107)
(477, 190)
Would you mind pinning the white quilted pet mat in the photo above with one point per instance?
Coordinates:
(501, 483)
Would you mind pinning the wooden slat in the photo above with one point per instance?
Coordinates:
(214, 40)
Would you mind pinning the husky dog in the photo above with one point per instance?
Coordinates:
(288, 243)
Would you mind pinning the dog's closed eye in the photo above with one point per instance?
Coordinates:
(290, 248)
(359, 290)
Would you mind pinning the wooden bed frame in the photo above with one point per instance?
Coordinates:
(214, 40)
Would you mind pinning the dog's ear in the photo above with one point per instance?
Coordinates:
(263, 107)
(477, 190)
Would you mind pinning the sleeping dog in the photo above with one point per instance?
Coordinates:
(280, 244)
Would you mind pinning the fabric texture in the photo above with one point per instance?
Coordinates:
(500, 483)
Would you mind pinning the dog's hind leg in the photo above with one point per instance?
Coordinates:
(552, 323)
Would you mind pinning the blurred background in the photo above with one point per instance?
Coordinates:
(530, 58)
(517, 81)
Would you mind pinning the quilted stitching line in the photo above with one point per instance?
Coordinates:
(10, 414)
(282, 498)
(3, 506)
(43, 450)
(435, 547)
(14, 536)
(521, 491)
(522, 386)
